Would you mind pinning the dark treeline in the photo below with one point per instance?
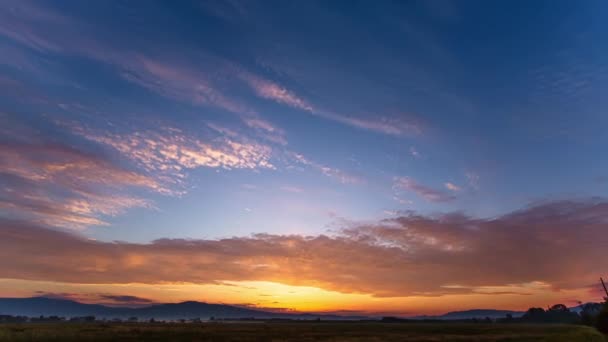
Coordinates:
(78, 319)
(592, 314)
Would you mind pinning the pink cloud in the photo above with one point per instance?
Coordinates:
(273, 91)
(342, 176)
(429, 194)
(169, 152)
(452, 187)
(165, 74)
(293, 189)
(178, 81)
(62, 186)
(176, 78)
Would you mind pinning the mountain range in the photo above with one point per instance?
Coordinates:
(45, 306)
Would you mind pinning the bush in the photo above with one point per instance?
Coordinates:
(602, 320)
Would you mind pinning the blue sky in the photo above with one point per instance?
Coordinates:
(430, 155)
(504, 101)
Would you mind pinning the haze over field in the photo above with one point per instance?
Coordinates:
(339, 157)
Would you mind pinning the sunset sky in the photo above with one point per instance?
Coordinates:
(376, 157)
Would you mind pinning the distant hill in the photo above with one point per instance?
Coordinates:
(475, 313)
(37, 306)
(579, 308)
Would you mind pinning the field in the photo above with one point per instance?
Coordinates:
(307, 331)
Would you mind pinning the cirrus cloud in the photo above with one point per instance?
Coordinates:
(428, 193)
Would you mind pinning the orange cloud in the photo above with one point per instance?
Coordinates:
(559, 244)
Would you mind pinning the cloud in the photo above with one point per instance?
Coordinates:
(265, 129)
(560, 245)
(99, 298)
(42, 28)
(168, 152)
(182, 81)
(125, 299)
(403, 201)
(293, 189)
(177, 81)
(452, 187)
(51, 183)
(18, 23)
(63, 186)
(473, 179)
(273, 91)
(175, 77)
(414, 152)
(429, 194)
(390, 126)
(341, 176)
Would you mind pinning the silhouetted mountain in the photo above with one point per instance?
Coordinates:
(37, 306)
(579, 308)
(197, 309)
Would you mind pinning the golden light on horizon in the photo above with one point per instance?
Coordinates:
(281, 297)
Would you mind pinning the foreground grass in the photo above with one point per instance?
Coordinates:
(308, 331)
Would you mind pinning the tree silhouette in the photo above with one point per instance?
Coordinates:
(559, 308)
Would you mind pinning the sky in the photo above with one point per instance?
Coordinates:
(400, 157)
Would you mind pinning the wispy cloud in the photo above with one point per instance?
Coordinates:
(473, 179)
(18, 22)
(100, 298)
(183, 81)
(178, 82)
(62, 186)
(342, 176)
(408, 255)
(386, 125)
(429, 194)
(452, 187)
(273, 91)
(176, 77)
(265, 129)
(290, 188)
(414, 152)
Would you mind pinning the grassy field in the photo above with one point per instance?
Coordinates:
(308, 331)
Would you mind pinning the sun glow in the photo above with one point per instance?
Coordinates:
(280, 297)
